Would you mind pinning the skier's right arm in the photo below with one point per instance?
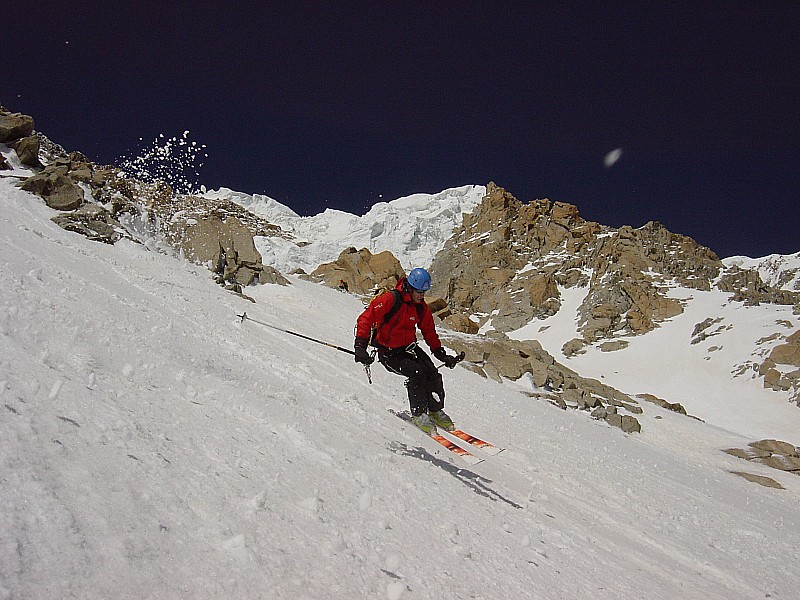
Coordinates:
(372, 316)
(368, 320)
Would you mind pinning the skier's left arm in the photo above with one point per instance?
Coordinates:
(428, 330)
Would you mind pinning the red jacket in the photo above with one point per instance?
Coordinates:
(401, 328)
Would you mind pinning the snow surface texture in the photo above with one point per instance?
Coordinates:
(714, 376)
(413, 228)
(155, 447)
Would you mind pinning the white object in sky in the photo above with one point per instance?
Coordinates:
(612, 157)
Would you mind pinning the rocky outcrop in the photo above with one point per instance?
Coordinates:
(226, 246)
(16, 131)
(673, 406)
(361, 271)
(508, 261)
(747, 286)
(27, 149)
(776, 454)
(216, 233)
(500, 358)
(56, 188)
(94, 222)
(106, 205)
(781, 369)
(14, 126)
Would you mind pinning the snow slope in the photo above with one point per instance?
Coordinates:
(154, 446)
(413, 228)
(715, 378)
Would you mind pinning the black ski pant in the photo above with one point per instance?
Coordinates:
(425, 386)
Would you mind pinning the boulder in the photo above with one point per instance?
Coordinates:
(782, 463)
(787, 353)
(613, 346)
(775, 447)
(461, 323)
(56, 188)
(14, 126)
(363, 272)
(573, 347)
(630, 424)
(437, 306)
(574, 397)
(270, 274)
(94, 222)
(227, 247)
(538, 372)
(27, 150)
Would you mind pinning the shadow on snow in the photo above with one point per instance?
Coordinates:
(470, 479)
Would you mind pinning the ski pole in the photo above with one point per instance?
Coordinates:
(244, 316)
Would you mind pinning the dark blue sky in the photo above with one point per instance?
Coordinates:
(339, 105)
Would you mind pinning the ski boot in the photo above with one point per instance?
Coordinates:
(424, 423)
(441, 419)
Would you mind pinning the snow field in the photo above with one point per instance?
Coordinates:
(154, 446)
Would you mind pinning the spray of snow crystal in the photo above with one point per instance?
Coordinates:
(175, 161)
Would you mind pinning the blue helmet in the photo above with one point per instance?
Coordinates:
(419, 279)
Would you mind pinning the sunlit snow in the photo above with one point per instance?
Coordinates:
(154, 446)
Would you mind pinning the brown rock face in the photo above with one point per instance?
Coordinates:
(789, 352)
(216, 233)
(14, 126)
(363, 272)
(57, 189)
(27, 150)
(787, 355)
(508, 259)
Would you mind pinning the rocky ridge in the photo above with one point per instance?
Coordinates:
(509, 262)
(106, 205)
(504, 266)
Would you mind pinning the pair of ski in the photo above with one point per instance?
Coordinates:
(461, 436)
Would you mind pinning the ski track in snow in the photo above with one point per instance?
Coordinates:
(154, 446)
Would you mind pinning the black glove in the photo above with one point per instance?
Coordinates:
(442, 355)
(362, 356)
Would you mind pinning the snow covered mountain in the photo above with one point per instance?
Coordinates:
(776, 270)
(727, 341)
(155, 446)
(413, 228)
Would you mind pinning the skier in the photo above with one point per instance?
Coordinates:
(389, 324)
